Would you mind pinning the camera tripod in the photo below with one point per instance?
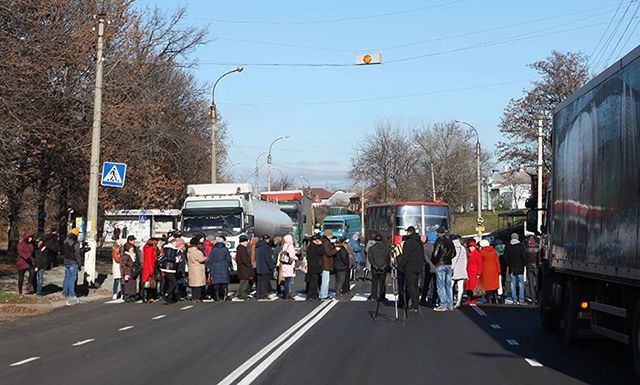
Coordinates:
(394, 283)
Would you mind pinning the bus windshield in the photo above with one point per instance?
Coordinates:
(333, 226)
(423, 218)
(212, 224)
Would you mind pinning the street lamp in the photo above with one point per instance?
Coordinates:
(269, 160)
(258, 172)
(480, 220)
(214, 120)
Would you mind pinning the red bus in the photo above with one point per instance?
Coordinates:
(392, 219)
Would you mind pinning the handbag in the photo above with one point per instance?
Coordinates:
(479, 290)
(285, 258)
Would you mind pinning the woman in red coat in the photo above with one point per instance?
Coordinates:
(474, 269)
(25, 262)
(149, 258)
(490, 270)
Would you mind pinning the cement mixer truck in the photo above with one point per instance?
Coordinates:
(229, 209)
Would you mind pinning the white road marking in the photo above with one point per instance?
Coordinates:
(282, 348)
(496, 326)
(235, 299)
(233, 376)
(186, 307)
(478, 310)
(115, 301)
(208, 300)
(30, 359)
(360, 297)
(161, 316)
(84, 342)
(533, 362)
(513, 342)
(125, 328)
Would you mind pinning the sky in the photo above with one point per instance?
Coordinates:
(441, 60)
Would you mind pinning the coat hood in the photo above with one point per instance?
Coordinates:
(288, 239)
(220, 245)
(26, 235)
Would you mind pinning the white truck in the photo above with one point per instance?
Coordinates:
(230, 210)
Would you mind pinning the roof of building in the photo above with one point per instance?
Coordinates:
(340, 198)
(319, 193)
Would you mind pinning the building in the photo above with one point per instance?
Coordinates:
(508, 190)
(318, 195)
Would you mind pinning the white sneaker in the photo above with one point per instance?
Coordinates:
(115, 296)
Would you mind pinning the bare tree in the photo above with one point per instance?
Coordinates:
(285, 182)
(562, 74)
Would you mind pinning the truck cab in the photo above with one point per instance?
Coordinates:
(342, 225)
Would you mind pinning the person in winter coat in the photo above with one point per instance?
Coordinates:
(245, 268)
(42, 263)
(287, 263)
(197, 274)
(378, 256)
(443, 254)
(52, 243)
(429, 272)
(516, 261)
(531, 252)
(264, 267)
(220, 266)
(459, 263)
(115, 268)
(358, 258)
(149, 260)
(315, 257)
(171, 255)
(128, 265)
(341, 266)
(410, 263)
(490, 271)
(327, 263)
(72, 260)
(474, 269)
(500, 249)
(25, 262)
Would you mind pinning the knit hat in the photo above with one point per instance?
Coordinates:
(219, 240)
(484, 243)
(441, 230)
(515, 236)
(243, 238)
(75, 231)
(472, 243)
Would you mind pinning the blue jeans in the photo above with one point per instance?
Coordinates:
(69, 282)
(39, 281)
(287, 286)
(324, 286)
(445, 289)
(116, 286)
(520, 280)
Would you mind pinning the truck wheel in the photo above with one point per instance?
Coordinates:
(635, 337)
(570, 312)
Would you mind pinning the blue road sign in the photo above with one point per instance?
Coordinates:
(113, 174)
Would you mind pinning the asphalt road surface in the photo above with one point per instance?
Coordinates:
(299, 342)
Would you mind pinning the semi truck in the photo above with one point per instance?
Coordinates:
(299, 208)
(229, 210)
(590, 266)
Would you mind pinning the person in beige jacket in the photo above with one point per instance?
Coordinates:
(197, 275)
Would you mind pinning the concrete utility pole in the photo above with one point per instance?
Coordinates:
(258, 173)
(214, 121)
(540, 192)
(433, 182)
(269, 160)
(94, 166)
(362, 227)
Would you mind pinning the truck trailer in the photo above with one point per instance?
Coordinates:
(299, 208)
(590, 271)
(229, 210)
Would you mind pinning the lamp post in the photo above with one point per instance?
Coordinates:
(478, 178)
(258, 172)
(214, 120)
(269, 159)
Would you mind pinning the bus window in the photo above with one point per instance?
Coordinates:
(408, 216)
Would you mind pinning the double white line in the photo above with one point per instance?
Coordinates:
(276, 348)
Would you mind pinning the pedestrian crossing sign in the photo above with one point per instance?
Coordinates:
(113, 174)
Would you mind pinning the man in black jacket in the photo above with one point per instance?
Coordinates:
(410, 263)
(315, 256)
(379, 259)
(516, 260)
(443, 253)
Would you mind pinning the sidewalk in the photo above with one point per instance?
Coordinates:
(13, 306)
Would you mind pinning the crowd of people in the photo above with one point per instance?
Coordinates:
(444, 270)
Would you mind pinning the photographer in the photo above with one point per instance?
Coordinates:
(379, 258)
(73, 259)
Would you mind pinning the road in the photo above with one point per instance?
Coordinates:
(298, 342)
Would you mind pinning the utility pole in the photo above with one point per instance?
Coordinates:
(94, 170)
(214, 161)
(479, 184)
(433, 182)
(362, 227)
(258, 173)
(540, 192)
(269, 172)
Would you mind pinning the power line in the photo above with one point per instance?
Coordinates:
(379, 98)
(610, 39)
(629, 38)
(606, 30)
(335, 20)
(623, 34)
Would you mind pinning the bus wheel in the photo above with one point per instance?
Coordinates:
(635, 337)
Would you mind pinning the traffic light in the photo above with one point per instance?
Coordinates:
(367, 59)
